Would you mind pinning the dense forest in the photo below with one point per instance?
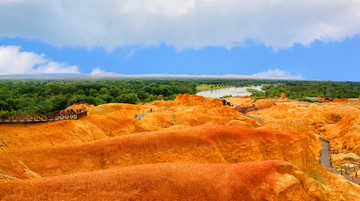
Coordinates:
(44, 96)
(302, 89)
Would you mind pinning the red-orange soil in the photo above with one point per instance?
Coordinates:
(253, 105)
(263, 180)
(214, 144)
(81, 107)
(117, 119)
(338, 122)
(192, 148)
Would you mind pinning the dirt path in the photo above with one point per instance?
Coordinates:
(326, 161)
(140, 116)
(261, 122)
(325, 154)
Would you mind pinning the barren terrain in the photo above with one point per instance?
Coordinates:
(192, 148)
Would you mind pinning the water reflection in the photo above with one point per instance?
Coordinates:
(234, 91)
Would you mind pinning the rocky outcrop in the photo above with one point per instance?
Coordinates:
(254, 105)
(345, 134)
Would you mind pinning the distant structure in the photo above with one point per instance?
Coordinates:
(333, 99)
(225, 102)
(283, 95)
(37, 118)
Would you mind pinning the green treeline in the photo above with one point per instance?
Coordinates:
(303, 89)
(44, 96)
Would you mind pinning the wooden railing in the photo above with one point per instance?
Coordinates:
(56, 116)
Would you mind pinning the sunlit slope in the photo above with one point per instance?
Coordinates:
(204, 144)
(117, 119)
(338, 122)
(345, 135)
(262, 180)
(187, 149)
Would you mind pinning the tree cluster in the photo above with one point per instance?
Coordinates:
(303, 89)
(44, 96)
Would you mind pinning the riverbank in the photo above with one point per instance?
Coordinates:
(208, 87)
(226, 91)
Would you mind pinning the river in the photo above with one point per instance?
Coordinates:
(234, 91)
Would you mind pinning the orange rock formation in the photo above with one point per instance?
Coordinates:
(252, 105)
(117, 119)
(82, 107)
(345, 134)
(192, 148)
(204, 144)
(263, 180)
(331, 120)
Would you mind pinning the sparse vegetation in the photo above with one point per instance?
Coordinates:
(256, 93)
(226, 96)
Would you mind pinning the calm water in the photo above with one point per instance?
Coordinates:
(234, 91)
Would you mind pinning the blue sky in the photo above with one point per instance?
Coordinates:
(306, 40)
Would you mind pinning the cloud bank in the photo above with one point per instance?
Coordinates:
(96, 71)
(14, 61)
(179, 23)
(277, 73)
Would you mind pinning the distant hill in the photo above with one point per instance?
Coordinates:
(115, 75)
(43, 76)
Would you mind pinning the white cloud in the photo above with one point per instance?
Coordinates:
(96, 71)
(14, 61)
(277, 73)
(180, 23)
(131, 53)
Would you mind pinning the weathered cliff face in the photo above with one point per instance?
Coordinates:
(190, 148)
(345, 135)
(335, 121)
(252, 105)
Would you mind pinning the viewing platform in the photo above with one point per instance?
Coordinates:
(58, 116)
